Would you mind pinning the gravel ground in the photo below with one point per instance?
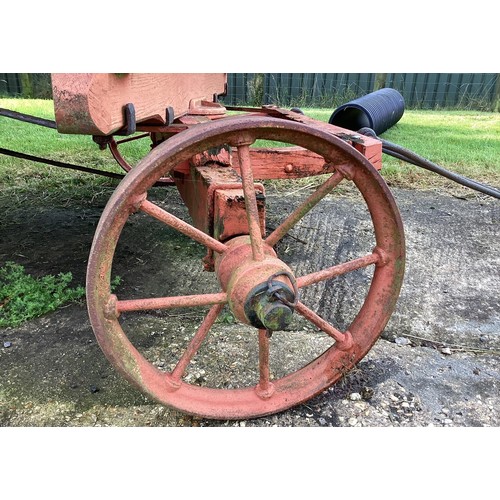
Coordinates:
(436, 364)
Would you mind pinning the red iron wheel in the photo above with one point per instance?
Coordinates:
(266, 395)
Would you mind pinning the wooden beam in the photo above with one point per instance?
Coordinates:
(93, 103)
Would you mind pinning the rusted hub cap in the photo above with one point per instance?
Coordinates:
(261, 293)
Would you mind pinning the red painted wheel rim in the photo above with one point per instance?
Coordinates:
(295, 387)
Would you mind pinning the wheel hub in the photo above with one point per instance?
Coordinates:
(261, 293)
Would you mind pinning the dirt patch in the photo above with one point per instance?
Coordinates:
(435, 364)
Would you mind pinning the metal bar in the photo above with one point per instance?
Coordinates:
(337, 270)
(118, 157)
(113, 147)
(304, 208)
(35, 120)
(171, 302)
(134, 138)
(172, 129)
(251, 208)
(55, 163)
(196, 341)
(183, 227)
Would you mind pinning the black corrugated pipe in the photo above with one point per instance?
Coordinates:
(379, 110)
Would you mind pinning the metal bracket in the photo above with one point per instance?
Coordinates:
(130, 121)
(169, 116)
(356, 138)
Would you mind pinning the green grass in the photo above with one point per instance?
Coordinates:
(23, 297)
(20, 180)
(466, 142)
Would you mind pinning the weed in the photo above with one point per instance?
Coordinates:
(226, 317)
(256, 90)
(115, 282)
(23, 297)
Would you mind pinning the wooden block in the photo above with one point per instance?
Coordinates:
(93, 103)
(370, 147)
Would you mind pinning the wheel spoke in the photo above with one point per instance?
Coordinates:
(183, 227)
(250, 202)
(196, 341)
(265, 388)
(337, 270)
(304, 208)
(170, 302)
(341, 338)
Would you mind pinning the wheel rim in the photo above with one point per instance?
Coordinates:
(266, 397)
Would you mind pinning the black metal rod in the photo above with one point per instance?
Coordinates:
(55, 163)
(128, 139)
(27, 118)
(411, 157)
(401, 153)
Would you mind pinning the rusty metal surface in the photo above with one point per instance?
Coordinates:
(369, 146)
(252, 210)
(240, 273)
(229, 214)
(307, 381)
(206, 108)
(121, 306)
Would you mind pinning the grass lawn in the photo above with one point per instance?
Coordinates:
(466, 142)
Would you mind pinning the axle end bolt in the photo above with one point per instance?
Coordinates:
(271, 304)
(275, 316)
